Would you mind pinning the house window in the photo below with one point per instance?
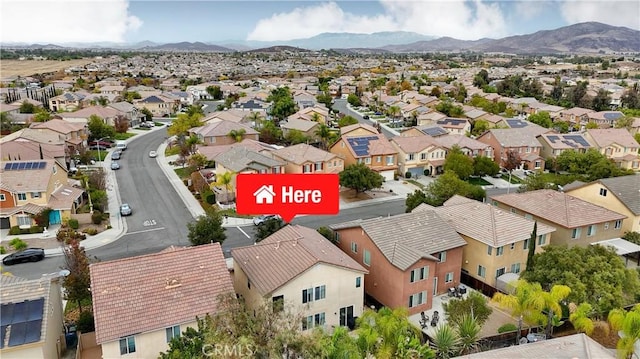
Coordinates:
(275, 169)
(603, 192)
(319, 319)
(320, 292)
(24, 221)
(482, 271)
(417, 299)
(606, 224)
(22, 196)
(526, 244)
(390, 160)
(342, 144)
(419, 274)
(513, 210)
(307, 322)
(307, 295)
(423, 156)
(575, 234)
(528, 216)
(172, 332)
(127, 345)
(248, 284)
(513, 245)
(489, 250)
(2, 197)
(528, 149)
(35, 194)
(448, 278)
(318, 166)
(499, 251)
(278, 303)
(442, 256)
(618, 224)
(354, 247)
(591, 230)
(55, 170)
(366, 257)
(515, 268)
(358, 282)
(500, 272)
(542, 239)
(367, 160)
(307, 168)
(411, 157)
(378, 159)
(336, 236)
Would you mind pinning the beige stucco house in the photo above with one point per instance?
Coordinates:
(419, 155)
(577, 222)
(299, 270)
(617, 144)
(303, 158)
(141, 303)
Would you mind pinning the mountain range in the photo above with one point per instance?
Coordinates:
(584, 38)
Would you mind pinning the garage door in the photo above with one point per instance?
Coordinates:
(416, 172)
(4, 223)
(388, 175)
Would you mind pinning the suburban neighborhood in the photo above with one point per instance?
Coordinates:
(489, 205)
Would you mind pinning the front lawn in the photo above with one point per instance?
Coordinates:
(477, 181)
(123, 136)
(183, 172)
(99, 156)
(171, 151)
(414, 182)
(514, 179)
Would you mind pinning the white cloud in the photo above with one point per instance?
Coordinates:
(56, 21)
(463, 20)
(617, 13)
(529, 9)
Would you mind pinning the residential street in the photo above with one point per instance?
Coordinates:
(341, 105)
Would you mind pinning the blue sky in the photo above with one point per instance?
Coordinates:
(63, 21)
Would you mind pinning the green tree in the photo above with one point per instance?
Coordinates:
(485, 166)
(78, 283)
(541, 118)
(625, 122)
(42, 115)
(592, 126)
(206, 229)
(130, 96)
(327, 233)
(195, 110)
(595, 274)
(354, 100)
(237, 135)
(481, 79)
(448, 108)
(360, 178)
(183, 123)
(283, 105)
(324, 134)
(579, 316)
(98, 129)
(628, 323)
(190, 343)
(268, 227)
(468, 330)
(225, 181)
(256, 118)
(27, 107)
(446, 342)
(602, 101)
(459, 163)
(215, 92)
(474, 304)
(148, 115)
(480, 127)
(415, 199)
(270, 133)
(295, 137)
(631, 97)
(531, 246)
(633, 237)
(346, 121)
(448, 185)
(198, 161)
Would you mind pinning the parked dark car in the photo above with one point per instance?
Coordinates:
(27, 255)
(102, 143)
(98, 147)
(366, 117)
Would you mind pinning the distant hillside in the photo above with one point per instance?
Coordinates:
(279, 49)
(588, 37)
(187, 47)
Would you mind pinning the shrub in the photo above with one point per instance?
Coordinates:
(85, 323)
(407, 175)
(96, 217)
(90, 231)
(427, 172)
(211, 198)
(3, 250)
(73, 223)
(18, 244)
(328, 234)
(15, 230)
(509, 327)
(36, 229)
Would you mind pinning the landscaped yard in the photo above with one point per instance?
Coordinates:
(478, 181)
(183, 172)
(123, 136)
(416, 183)
(514, 179)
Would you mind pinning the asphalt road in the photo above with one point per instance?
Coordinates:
(160, 217)
(341, 105)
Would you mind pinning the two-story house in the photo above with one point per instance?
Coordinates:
(497, 240)
(516, 140)
(375, 151)
(307, 128)
(74, 134)
(411, 257)
(303, 158)
(605, 119)
(68, 101)
(553, 144)
(577, 222)
(32, 318)
(28, 187)
(316, 113)
(575, 115)
(141, 303)
(469, 146)
(419, 155)
(298, 269)
(616, 144)
(159, 105)
(456, 126)
(618, 194)
(220, 132)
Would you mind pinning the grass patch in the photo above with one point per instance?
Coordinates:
(232, 213)
(171, 151)
(158, 124)
(101, 157)
(414, 182)
(123, 136)
(143, 129)
(514, 179)
(478, 182)
(183, 172)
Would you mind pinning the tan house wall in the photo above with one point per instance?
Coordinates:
(225, 140)
(591, 194)
(562, 235)
(31, 351)
(328, 166)
(359, 132)
(341, 149)
(55, 323)
(404, 163)
(148, 345)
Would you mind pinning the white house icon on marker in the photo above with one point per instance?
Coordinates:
(264, 194)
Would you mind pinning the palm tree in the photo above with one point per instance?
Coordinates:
(225, 180)
(191, 143)
(628, 325)
(468, 331)
(316, 117)
(256, 118)
(446, 342)
(579, 318)
(237, 135)
(394, 111)
(324, 133)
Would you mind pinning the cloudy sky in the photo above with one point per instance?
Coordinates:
(63, 21)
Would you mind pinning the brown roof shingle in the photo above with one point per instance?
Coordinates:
(286, 254)
(150, 292)
(301, 153)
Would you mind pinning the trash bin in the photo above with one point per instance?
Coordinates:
(462, 289)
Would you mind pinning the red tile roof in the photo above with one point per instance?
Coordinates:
(151, 292)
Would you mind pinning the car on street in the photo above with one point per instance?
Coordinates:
(153, 154)
(147, 124)
(98, 148)
(125, 209)
(115, 165)
(116, 155)
(26, 255)
(366, 117)
(258, 221)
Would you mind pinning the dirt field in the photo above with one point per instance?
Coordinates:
(10, 68)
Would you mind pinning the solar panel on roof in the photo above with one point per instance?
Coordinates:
(35, 309)
(14, 166)
(28, 165)
(19, 313)
(578, 139)
(6, 314)
(3, 334)
(7, 166)
(612, 115)
(553, 139)
(34, 331)
(25, 319)
(570, 143)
